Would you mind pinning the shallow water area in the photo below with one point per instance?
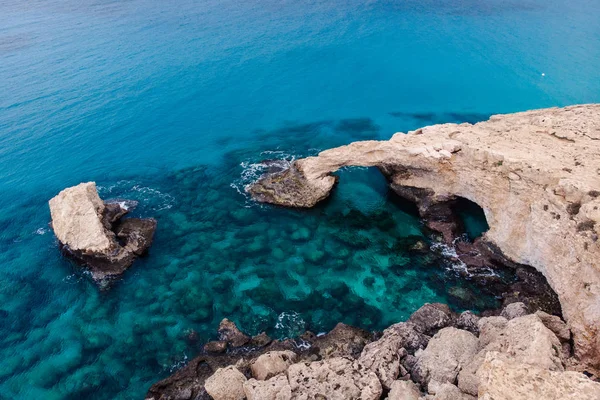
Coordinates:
(178, 107)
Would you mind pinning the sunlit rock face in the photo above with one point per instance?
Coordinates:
(535, 174)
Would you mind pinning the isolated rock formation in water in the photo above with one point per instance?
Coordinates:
(536, 175)
(92, 232)
(520, 358)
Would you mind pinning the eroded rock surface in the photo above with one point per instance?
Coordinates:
(502, 379)
(446, 354)
(535, 174)
(335, 379)
(272, 363)
(92, 233)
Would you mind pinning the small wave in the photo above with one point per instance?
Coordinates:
(73, 278)
(290, 324)
(455, 264)
(151, 198)
(41, 231)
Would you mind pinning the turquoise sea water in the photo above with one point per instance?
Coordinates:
(176, 104)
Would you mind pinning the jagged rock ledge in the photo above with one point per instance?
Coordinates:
(435, 355)
(92, 233)
(535, 174)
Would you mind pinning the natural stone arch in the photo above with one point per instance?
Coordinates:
(536, 175)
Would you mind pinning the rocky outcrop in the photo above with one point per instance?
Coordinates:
(229, 333)
(92, 232)
(503, 380)
(535, 174)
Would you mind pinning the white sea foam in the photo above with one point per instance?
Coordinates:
(290, 324)
(252, 171)
(152, 199)
(454, 262)
(41, 231)
(177, 365)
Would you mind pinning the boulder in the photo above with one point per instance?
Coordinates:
(503, 379)
(534, 174)
(334, 379)
(524, 339)
(272, 363)
(383, 357)
(446, 354)
(446, 391)
(276, 388)
(430, 318)
(226, 384)
(92, 232)
(404, 390)
(514, 310)
(229, 332)
(409, 337)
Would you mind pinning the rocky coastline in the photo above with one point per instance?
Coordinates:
(435, 355)
(535, 174)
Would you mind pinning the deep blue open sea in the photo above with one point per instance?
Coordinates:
(175, 104)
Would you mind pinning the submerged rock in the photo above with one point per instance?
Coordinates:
(535, 174)
(92, 233)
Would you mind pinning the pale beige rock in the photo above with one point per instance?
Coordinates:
(446, 354)
(514, 310)
(272, 363)
(226, 384)
(536, 175)
(523, 339)
(447, 391)
(383, 358)
(404, 390)
(77, 219)
(334, 379)
(276, 388)
(509, 380)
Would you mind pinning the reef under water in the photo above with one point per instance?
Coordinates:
(362, 257)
